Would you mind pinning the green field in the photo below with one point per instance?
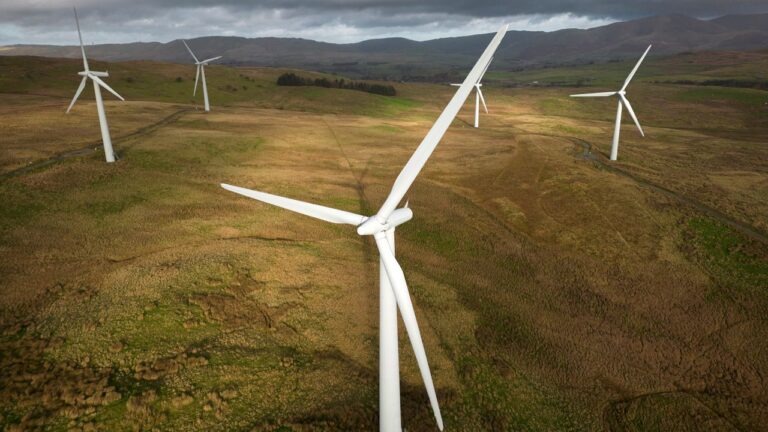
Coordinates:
(555, 290)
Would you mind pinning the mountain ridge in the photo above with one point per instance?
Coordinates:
(402, 58)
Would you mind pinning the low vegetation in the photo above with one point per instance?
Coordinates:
(554, 291)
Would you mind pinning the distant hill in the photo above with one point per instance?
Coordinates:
(399, 58)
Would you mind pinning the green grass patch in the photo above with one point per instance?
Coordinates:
(20, 204)
(163, 326)
(512, 403)
(438, 240)
(733, 260)
(198, 152)
(747, 97)
(394, 105)
(101, 209)
(569, 130)
(387, 128)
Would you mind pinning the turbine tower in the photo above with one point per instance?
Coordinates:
(394, 293)
(479, 95)
(201, 71)
(98, 83)
(621, 94)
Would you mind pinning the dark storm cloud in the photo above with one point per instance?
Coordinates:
(44, 21)
(490, 8)
(477, 8)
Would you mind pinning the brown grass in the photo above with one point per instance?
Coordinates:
(551, 294)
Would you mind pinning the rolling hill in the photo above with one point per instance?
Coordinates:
(399, 58)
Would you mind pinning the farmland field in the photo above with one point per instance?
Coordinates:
(555, 290)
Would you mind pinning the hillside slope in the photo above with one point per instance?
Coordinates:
(406, 59)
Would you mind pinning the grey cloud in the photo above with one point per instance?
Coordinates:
(43, 21)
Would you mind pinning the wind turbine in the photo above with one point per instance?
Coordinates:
(622, 101)
(479, 95)
(394, 293)
(98, 83)
(201, 71)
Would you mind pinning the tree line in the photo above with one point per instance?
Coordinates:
(753, 84)
(291, 79)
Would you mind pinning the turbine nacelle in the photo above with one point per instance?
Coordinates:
(373, 225)
(94, 73)
(205, 62)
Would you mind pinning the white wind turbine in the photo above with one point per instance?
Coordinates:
(98, 83)
(622, 101)
(479, 95)
(394, 293)
(201, 71)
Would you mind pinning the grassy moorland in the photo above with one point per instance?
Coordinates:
(555, 290)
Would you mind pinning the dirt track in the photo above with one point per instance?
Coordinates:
(721, 217)
(95, 146)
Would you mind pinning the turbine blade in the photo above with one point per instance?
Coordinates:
(485, 70)
(312, 210)
(190, 51)
(625, 101)
(601, 94)
(80, 36)
(105, 86)
(419, 158)
(400, 288)
(197, 78)
(632, 74)
(211, 59)
(77, 93)
(482, 99)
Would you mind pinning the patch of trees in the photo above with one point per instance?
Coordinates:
(291, 79)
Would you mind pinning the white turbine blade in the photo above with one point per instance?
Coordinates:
(632, 74)
(210, 59)
(456, 85)
(625, 101)
(197, 77)
(80, 36)
(190, 51)
(400, 288)
(482, 99)
(105, 86)
(312, 210)
(485, 70)
(77, 93)
(601, 94)
(411, 170)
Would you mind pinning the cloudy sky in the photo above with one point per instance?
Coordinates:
(51, 21)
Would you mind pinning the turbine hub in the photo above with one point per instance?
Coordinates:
(373, 225)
